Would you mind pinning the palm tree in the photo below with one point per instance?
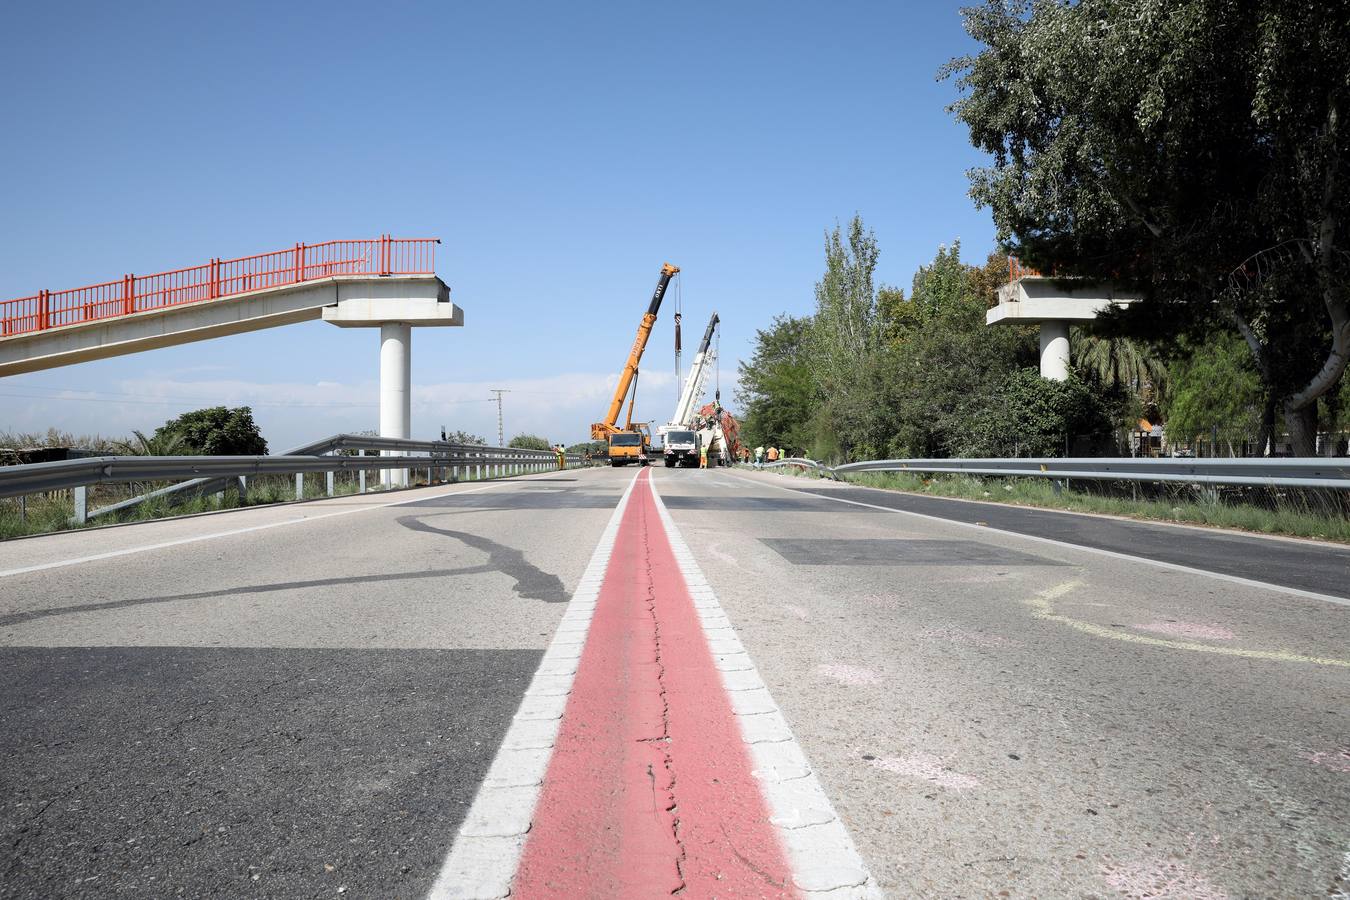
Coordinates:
(159, 444)
(1118, 362)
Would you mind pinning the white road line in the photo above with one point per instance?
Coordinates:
(824, 861)
(60, 563)
(1157, 563)
(486, 852)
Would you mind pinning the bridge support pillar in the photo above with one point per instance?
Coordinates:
(1055, 350)
(395, 392)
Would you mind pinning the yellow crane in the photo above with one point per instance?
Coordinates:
(632, 442)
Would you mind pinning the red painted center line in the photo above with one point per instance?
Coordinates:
(649, 789)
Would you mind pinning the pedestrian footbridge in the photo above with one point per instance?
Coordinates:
(386, 282)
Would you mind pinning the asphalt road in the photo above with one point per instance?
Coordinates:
(302, 701)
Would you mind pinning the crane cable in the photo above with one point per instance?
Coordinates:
(679, 311)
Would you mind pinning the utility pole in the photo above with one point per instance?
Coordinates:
(501, 438)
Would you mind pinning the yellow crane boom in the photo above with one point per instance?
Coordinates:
(601, 430)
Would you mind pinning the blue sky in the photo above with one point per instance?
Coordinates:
(562, 152)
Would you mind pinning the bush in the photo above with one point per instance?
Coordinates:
(216, 431)
(1034, 416)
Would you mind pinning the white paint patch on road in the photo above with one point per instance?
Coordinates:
(824, 861)
(798, 611)
(1335, 760)
(1160, 879)
(854, 676)
(297, 520)
(1175, 567)
(929, 768)
(723, 557)
(486, 852)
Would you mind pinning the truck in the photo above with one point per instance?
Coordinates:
(681, 447)
(632, 442)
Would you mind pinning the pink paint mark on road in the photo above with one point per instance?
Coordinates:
(1189, 630)
(1335, 760)
(954, 635)
(927, 767)
(850, 675)
(1160, 879)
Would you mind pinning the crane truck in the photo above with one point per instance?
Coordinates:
(681, 441)
(632, 442)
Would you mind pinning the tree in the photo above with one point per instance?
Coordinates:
(776, 387)
(943, 364)
(595, 448)
(216, 431)
(463, 437)
(162, 443)
(1216, 394)
(1190, 149)
(1035, 416)
(529, 442)
(845, 338)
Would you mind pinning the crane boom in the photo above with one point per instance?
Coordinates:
(600, 430)
(693, 384)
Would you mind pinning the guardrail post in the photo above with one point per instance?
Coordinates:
(299, 262)
(42, 309)
(81, 495)
(384, 254)
(213, 285)
(128, 295)
(329, 482)
(299, 485)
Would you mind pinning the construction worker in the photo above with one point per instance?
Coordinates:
(773, 454)
(702, 455)
(759, 457)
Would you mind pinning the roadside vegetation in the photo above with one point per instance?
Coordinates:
(212, 431)
(1321, 515)
(1168, 148)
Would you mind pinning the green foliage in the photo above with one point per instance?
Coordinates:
(1189, 148)
(463, 437)
(14, 440)
(844, 342)
(594, 448)
(942, 363)
(529, 442)
(1035, 416)
(215, 431)
(1218, 393)
(777, 389)
(161, 443)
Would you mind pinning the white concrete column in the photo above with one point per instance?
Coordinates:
(395, 392)
(1055, 350)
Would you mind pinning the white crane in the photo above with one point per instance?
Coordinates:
(681, 441)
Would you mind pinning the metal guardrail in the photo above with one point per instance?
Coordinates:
(210, 473)
(1300, 472)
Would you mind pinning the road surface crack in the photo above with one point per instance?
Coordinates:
(673, 809)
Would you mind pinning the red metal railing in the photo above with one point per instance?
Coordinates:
(217, 279)
(1016, 270)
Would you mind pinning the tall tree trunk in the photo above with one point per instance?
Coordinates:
(1302, 425)
(1266, 436)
